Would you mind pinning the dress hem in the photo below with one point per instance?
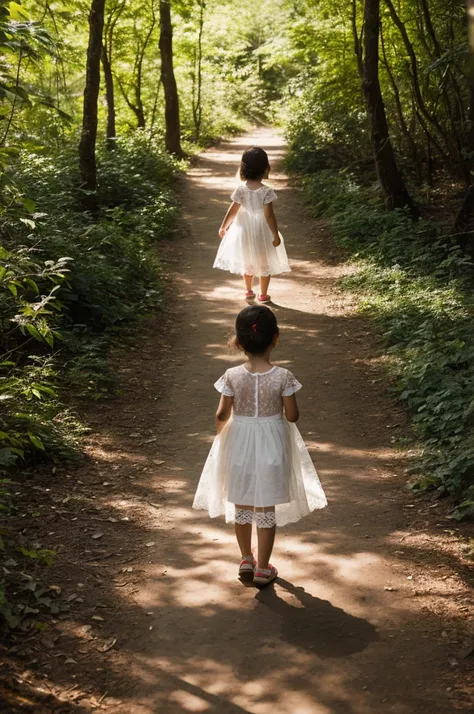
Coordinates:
(255, 275)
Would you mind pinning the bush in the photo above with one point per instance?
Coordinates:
(67, 283)
(322, 133)
(418, 286)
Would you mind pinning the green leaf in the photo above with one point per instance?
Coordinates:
(48, 336)
(29, 204)
(17, 12)
(36, 441)
(31, 285)
(34, 332)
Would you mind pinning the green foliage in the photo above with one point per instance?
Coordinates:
(64, 310)
(418, 286)
(67, 285)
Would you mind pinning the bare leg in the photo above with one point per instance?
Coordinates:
(243, 533)
(266, 539)
(248, 279)
(264, 283)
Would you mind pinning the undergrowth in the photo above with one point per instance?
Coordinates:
(418, 285)
(69, 285)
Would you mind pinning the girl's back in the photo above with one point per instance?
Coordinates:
(257, 394)
(253, 200)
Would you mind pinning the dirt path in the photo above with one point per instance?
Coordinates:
(361, 621)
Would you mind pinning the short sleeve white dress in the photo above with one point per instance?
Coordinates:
(247, 247)
(259, 458)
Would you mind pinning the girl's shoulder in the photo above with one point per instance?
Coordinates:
(269, 194)
(238, 193)
(232, 371)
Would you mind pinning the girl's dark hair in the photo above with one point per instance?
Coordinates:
(255, 328)
(254, 163)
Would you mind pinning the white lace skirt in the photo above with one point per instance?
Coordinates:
(247, 248)
(259, 461)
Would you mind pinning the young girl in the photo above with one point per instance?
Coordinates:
(251, 244)
(259, 467)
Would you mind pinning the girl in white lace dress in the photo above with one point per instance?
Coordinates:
(259, 467)
(251, 243)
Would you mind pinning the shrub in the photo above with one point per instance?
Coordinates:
(67, 283)
(417, 284)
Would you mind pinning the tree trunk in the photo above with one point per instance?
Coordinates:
(197, 74)
(87, 162)
(464, 222)
(110, 97)
(470, 77)
(357, 39)
(138, 84)
(412, 147)
(87, 159)
(111, 21)
(387, 171)
(173, 128)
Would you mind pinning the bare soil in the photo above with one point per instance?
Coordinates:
(371, 612)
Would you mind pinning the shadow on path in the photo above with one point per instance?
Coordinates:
(316, 625)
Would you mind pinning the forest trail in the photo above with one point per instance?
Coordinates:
(349, 628)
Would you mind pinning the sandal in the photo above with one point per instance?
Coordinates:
(265, 576)
(247, 568)
(264, 298)
(249, 295)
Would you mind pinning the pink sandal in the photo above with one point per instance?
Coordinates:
(264, 298)
(247, 568)
(249, 295)
(265, 576)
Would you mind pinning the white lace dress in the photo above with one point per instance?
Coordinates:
(247, 247)
(259, 458)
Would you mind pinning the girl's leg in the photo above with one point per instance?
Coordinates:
(265, 534)
(243, 529)
(248, 279)
(264, 283)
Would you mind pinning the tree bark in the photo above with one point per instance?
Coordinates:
(138, 85)
(388, 174)
(197, 74)
(110, 98)
(470, 77)
(107, 48)
(412, 147)
(465, 218)
(357, 39)
(87, 160)
(173, 127)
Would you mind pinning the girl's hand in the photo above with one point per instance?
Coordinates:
(221, 233)
(277, 242)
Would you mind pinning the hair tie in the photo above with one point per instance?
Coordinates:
(254, 327)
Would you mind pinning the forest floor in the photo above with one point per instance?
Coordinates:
(371, 612)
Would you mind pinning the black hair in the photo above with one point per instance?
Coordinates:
(254, 163)
(255, 327)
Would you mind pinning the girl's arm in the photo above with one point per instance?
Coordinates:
(272, 222)
(291, 408)
(228, 218)
(224, 410)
